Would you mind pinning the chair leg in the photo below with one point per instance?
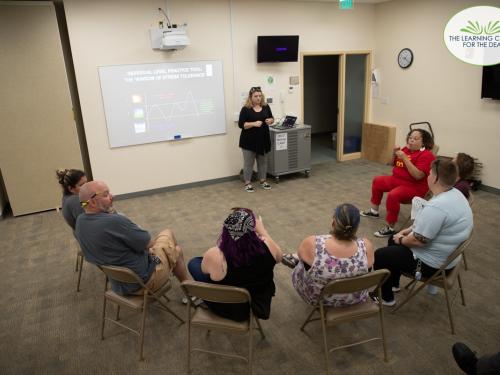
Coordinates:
(464, 260)
(189, 339)
(79, 268)
(143, 325)
(103, 318)
(381, 315)
(77, 259)
(170, 310)
(325, 342)
(450, 316)
(250, 344)
(117, 312)
(411, 294)
(459, 279)
(307, 319)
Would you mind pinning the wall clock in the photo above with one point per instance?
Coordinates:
(405, 58)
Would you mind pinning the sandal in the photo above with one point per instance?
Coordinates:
(290, 260)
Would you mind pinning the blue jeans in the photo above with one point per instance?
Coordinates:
(194, 268)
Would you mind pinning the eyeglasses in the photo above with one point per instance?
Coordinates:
(85, 204)
(255, 89)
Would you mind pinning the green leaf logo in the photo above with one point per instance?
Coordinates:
(492, 29)
(477, 29)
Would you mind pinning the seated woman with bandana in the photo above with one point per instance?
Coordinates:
(245, 257)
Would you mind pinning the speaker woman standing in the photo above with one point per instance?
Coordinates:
(255, 141)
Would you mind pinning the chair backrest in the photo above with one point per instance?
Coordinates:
(471, 200)
(122, 274)
(216, 293)
(370, 280)
(458, 251)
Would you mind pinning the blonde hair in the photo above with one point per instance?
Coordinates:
(248, 102)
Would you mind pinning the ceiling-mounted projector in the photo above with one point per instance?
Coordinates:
(171, 38)
(174, 39)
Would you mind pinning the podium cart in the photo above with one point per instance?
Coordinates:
(290, 151)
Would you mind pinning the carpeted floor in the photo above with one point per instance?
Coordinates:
(48, 328)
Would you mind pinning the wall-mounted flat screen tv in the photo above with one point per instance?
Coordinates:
(491, 82)
(277, 48)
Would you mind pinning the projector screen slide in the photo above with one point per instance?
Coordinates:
(157, 102)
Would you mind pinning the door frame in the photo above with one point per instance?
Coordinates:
(341, 156)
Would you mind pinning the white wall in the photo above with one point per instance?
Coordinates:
(106, 32)
(438, 87)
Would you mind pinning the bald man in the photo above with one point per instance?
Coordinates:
(109, 238)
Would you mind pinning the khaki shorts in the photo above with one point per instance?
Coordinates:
(164, 247)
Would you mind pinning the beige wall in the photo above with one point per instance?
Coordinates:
(37, 130)
(107, 32)
(438, 87)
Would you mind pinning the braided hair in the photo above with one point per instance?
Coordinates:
(346, 219)
(68, 178)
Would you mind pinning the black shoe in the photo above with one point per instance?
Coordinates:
(290, 260)
(386, 231)
(466, 359)
(369, 213)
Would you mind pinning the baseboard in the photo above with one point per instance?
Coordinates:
(176, 187)
(489, 189)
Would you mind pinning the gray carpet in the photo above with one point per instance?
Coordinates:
(48, 328)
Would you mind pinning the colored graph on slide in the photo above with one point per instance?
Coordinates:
(156, 102)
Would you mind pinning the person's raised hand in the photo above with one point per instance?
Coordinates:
(400, 154)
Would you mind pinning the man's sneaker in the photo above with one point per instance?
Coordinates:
(466, 359)
(396, 289)
(386, 231)
(249, 188)
(265, 186)
(384, 302)
(369, 213)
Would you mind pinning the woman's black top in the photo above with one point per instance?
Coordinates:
(257, 278)
(255, 139)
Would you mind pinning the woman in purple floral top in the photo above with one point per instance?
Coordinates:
(332, 256)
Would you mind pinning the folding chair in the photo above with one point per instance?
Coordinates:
(135, 302)
(79, 267)
(206, 319)
(331, 316)
(471, 204)
(441, 280)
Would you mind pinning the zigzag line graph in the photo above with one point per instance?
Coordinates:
(182, 108)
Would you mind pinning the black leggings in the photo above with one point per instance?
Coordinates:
(397, 259)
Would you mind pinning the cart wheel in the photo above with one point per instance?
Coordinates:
(307, 172)
(277, 179)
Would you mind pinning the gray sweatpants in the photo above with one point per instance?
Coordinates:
(248, 161)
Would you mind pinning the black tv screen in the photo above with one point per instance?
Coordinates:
(491, 82)
(277, 48)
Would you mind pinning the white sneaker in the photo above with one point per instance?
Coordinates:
(432, 289)
(249, 188)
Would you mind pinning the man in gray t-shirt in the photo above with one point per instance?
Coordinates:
(439, 228)
(109, 238)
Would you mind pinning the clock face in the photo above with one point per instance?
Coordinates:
(405, 58)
